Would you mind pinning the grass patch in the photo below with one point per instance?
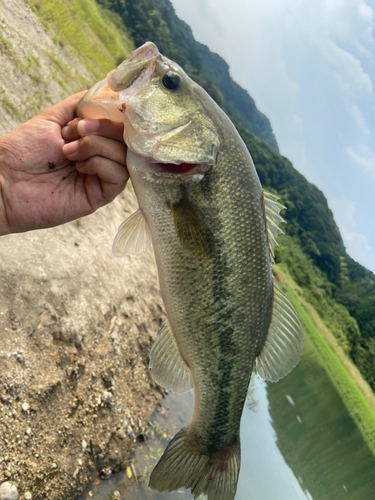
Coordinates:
(10, 108)
(6, 47)
(60, 82)
(354, 392)
(88, 29)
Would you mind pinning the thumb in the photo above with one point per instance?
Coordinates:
(63, 112)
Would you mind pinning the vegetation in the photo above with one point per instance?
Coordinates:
(5, 46)
(97, 36)
(9, 107)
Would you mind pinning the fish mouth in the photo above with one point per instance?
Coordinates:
(181, 172)
(131, 69)
(175, 169)
(107, 98)
(174, 172)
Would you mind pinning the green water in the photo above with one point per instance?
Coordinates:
(298, 442)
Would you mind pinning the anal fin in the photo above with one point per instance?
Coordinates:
(283, 346)
(168, 369)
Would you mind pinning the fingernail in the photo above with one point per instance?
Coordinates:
(88, 126)
(70, 148)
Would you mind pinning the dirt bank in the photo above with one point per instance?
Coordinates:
(76, 326)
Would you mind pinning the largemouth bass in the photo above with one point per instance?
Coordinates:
(213, 230)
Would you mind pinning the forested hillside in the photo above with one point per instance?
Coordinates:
(342, 291)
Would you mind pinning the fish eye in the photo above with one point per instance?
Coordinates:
(171, 81)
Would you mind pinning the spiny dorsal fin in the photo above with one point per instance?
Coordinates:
(272, 209)
(133, 236)
(168, 369)
(283, 346)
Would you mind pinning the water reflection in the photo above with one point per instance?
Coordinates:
(298, 442)
(317, 437)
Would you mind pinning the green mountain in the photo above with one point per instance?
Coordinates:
(341, 290)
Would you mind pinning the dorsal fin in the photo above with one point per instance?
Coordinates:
(272, 208)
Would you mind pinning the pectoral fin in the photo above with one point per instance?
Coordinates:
(283, 346)
(133, 236)
(168, 369)
(191, 227)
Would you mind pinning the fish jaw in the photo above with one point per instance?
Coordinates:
(129, 70)
(106, 99)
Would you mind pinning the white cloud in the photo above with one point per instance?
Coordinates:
(357, 116)
(363, 158)
(343, 210)
(346, 70)
(341, 29)
(356, 243)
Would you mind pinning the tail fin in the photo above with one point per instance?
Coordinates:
(215, 475)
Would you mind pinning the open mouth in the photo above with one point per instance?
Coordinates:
(170, 168)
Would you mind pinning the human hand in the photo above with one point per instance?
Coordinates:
(54, 169)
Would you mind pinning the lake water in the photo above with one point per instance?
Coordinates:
(298, 442)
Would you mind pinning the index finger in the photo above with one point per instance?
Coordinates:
(104, 127)
(70, 133)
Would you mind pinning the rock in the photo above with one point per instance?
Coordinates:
(8, 491)
(107, 396)
(28, 495)
(121, 434)
(25, 407)
(106, 473)
(6, 399)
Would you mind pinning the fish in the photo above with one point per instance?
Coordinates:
(213, 230)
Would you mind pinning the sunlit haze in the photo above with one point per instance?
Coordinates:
(310, 68)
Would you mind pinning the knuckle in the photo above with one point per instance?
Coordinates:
(86, 144)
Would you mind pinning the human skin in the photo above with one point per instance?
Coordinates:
(54, 168)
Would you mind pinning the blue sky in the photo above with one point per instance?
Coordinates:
(310, 66)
